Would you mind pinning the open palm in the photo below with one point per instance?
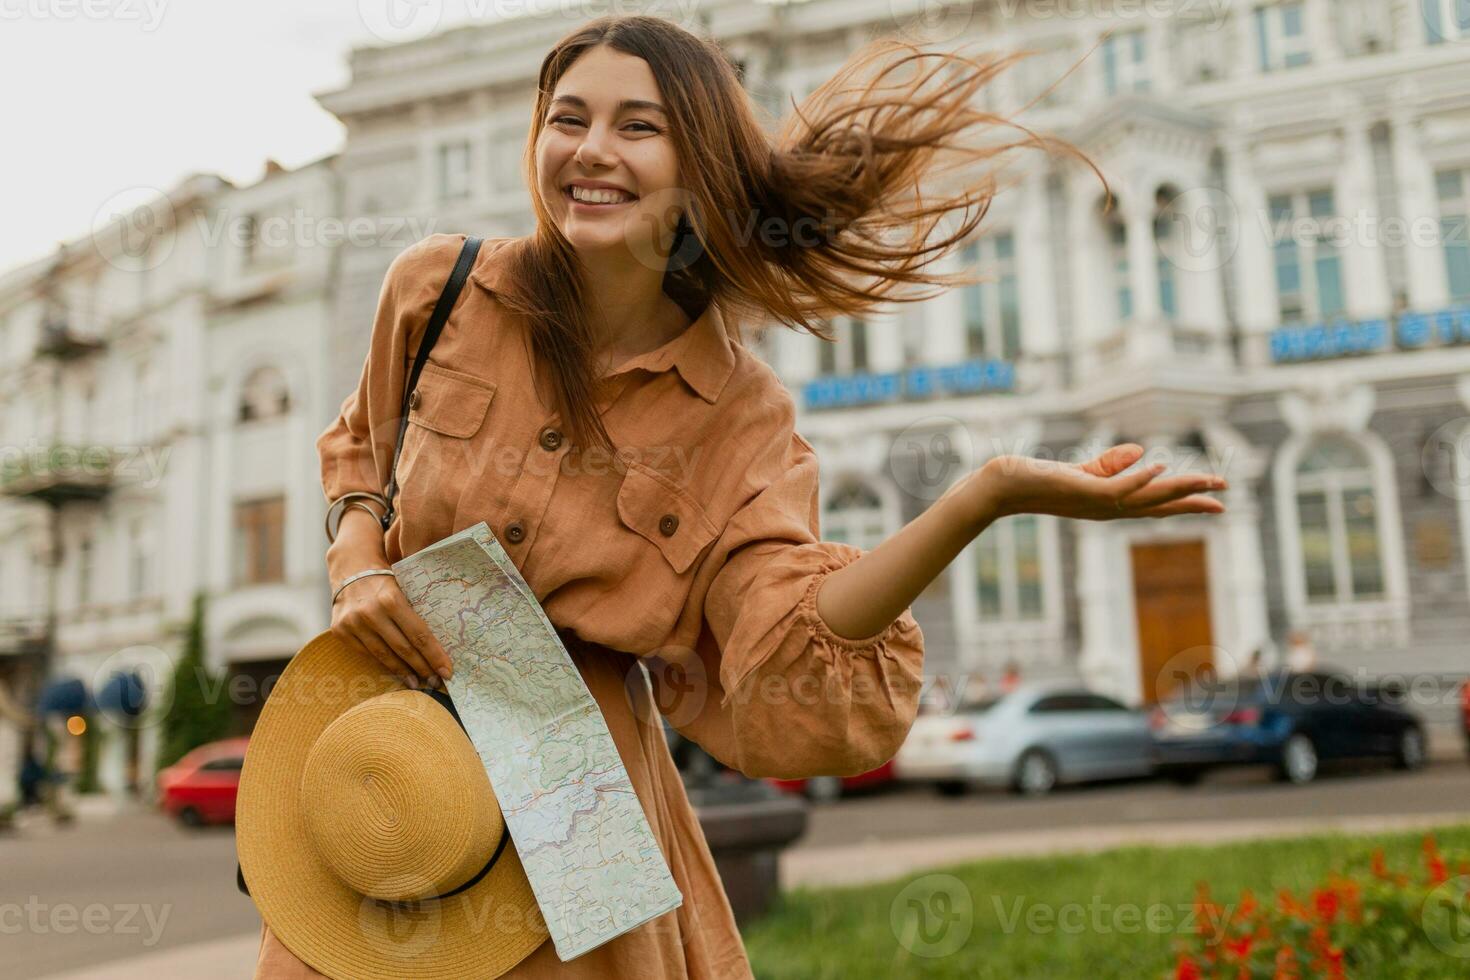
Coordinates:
(1098, 489)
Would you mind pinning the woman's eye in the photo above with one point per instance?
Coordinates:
(646, 126)
(571, 119)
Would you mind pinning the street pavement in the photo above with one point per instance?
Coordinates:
(131, 896)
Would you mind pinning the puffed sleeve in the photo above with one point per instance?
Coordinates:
(784, 695)
(356, 449)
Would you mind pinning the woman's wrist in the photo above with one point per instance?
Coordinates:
(359, 545)
(984, 493)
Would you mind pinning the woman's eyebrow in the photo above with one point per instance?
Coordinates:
(622, 106)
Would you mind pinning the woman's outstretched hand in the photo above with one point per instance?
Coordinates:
(1098, 490)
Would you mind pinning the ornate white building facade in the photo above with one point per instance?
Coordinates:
(1278, 292)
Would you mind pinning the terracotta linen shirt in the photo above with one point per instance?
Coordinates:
(697, 541)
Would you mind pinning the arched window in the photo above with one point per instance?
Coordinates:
(1008, 579)
(854, 514)
(1337, 513)
(264, 395)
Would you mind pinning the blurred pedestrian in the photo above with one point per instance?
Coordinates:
(1011, 679)
(1301, 656)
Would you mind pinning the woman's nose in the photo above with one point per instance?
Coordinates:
(593, 150)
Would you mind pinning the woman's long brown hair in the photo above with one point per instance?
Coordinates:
(830, 216)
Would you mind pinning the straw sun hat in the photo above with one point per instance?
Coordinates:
(368, 832)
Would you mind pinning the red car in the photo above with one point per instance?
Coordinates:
(201, 787)
(1465, 711)
(823, 789)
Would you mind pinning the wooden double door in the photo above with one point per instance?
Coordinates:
(1171, 595)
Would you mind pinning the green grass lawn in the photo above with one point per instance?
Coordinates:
(1084, 916)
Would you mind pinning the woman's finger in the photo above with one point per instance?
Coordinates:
(412, 626)
(1114, 460)
(1196, 504)
(1127, 484)
(401, 645)
(370, 645)
(1170, 488)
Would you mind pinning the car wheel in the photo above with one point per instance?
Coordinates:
(1184, 777)
(1298, 760)
(1036, 773)
(951, 787)
(823, 789)
(1410, 753)
(191, 817)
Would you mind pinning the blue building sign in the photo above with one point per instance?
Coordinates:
(1344, 338)
(964, 378)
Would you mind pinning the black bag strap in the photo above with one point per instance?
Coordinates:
(437, 319)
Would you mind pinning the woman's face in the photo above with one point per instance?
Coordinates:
(605, 125)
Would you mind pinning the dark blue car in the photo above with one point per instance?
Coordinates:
(1289, 721)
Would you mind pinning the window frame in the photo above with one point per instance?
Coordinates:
(1308, 252)
(984, 305)
(1277, 50)
(1457, 209)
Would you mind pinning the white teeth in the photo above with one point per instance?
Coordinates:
(588, 196)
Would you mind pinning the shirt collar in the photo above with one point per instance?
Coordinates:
(702, 354)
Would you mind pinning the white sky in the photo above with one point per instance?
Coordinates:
(101, 97)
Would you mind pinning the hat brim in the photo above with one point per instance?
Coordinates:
(480, 932)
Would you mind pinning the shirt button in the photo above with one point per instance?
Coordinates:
(550, 440)
(413, 399)
(668, 524)
(514, 532)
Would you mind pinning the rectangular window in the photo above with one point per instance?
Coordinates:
(1454, 228)
(1316, 546)
(993, 307)
(1281, 35)
(260, 536)
(1122, 288)
(1308, 265)
(1362, 543)
(454, 170)
(1008, 578)
(1125, 63)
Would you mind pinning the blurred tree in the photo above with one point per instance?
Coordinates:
(196, 712)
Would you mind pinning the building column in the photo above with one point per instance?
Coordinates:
(1428, 281)
(1088, 267)
(1040, 333)
(1322, 32)
(1256, 308)
(1364, 271)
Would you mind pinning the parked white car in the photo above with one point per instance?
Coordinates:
(1030, 740)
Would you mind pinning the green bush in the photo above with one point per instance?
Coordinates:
(196, 712)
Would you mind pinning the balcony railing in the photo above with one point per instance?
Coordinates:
(60, 473)
(22, 635)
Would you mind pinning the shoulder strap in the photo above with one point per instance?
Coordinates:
(437, 319)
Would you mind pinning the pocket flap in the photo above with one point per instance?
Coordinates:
(451, 402)
(664, 513)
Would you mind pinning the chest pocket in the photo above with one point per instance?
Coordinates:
(449, 402)
(665, 514)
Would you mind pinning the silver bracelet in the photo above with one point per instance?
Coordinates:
(341, 504)
(353, 578)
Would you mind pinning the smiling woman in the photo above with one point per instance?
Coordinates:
(590, 400)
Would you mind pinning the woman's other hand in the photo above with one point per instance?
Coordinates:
(1098, 489)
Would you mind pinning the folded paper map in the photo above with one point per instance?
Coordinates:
(577, 825)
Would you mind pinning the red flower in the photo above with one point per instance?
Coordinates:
(1324, 900)
(1240, 948)
(1380, 866)
(1187, 969)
